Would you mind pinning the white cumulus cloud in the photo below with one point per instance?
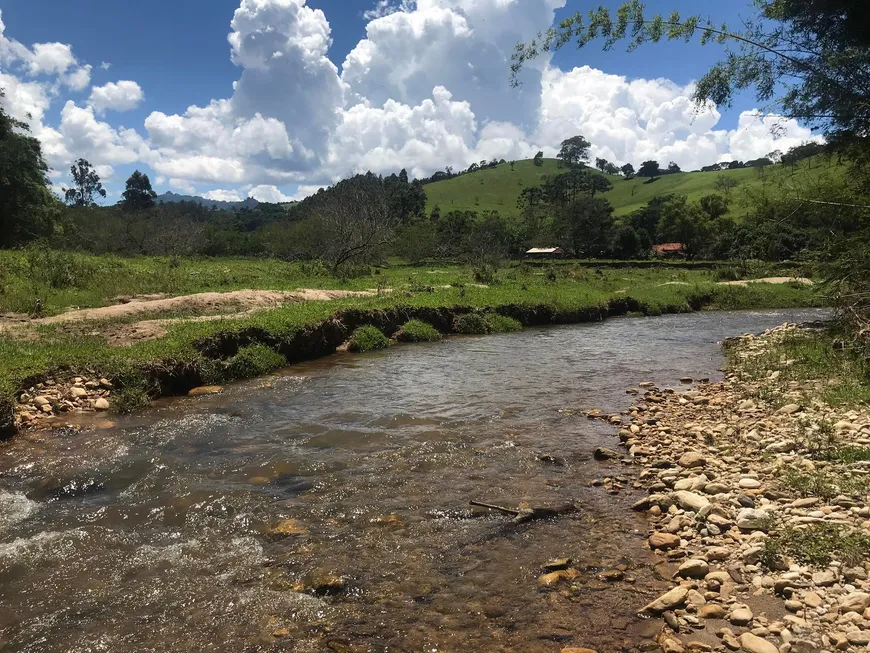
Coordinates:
(220, 195)
(124, 95)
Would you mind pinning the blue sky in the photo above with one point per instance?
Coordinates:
(296, 121)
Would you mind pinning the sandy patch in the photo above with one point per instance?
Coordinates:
(214, 306)
(746, 282)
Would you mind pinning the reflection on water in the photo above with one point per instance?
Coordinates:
(328, 509)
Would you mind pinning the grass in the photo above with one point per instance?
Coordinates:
(418, 331)
(817, 545)
(254, 360)
(367, 338)
(497, 189)
(823, 361)
(578, 294)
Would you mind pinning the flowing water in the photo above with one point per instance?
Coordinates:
(168, 531)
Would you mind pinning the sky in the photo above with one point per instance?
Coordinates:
(274, 99)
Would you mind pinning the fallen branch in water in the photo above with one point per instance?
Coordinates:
(524, 515)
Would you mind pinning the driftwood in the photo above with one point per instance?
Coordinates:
(525, 515)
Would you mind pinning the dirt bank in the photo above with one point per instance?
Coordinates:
(764, 524)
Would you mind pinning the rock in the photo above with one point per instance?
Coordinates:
(7, 420)
(741, 616)
(287, 527)
(712, 611)
(101, 404)
(813, 600)
(695, 568)
(754, 644)
(746, 405)
(78, 393)
(855, 602)
(578, 650)
(824, 578)
(205, 390)
(327, 583)
(750, 519)
(664, 541)
(605, 454)
(858, 637)
(39, 402)
(557, 564)
(692, 459)
(749, 484)
(555, 577)
(845, 426)
(789, 409)
(668, 601)
(690, 501)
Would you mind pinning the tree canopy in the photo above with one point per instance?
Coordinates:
(86, 185)
(139, 194)
(574, 151)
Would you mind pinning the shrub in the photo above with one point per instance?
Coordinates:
(418, 331)
(254, 360)
(816, 545)
(367, 338)
(472, 324)
(504, 324)
(130, 399)
(58, 269)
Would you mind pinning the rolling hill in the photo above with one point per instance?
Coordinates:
(497, 189)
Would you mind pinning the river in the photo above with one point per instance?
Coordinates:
(158, 532)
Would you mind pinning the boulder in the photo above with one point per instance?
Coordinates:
(667, 601)
(692, 459)
(101, 404)
(690, 501)
(741, 616)
(750, 519)
(855, 602)
(664, 541)
(754, 644)
(695, 568)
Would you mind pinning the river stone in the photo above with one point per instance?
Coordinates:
(742, 616)
(664, 541)
(754, 644)
(813, 600)
(749, 484)
(668, 601)
(858, 637)
(789, 409)
(824, 578)
(690, 500)
(39, 402)
(715, 488)
(78, 393)
(692, 459)
(712, 611)
(855, 602)
(605, 454)
(695, 568)
(101, 404)
(750, 519)
(205, 390)
(578, 650)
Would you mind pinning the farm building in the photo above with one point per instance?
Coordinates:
(670, 250)
(545, 252)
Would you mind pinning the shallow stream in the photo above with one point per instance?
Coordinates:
(158, 532)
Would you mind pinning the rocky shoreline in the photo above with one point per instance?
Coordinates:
(764, 535)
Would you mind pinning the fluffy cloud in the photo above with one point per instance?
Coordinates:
(116, 96)
(427, 87)
(220, 195)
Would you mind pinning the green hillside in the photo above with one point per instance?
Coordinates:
(497, 189)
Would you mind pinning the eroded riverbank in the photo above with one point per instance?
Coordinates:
(328, 510)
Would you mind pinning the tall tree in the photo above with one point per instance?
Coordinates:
(539, 159)
(627, 170)
(25, 199)
(574, 151)
(586, 226)
(86, 185)
(139, 196)
(649, 169)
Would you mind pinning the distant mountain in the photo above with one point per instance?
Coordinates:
(171, 198)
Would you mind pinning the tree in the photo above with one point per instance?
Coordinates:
(725, 185)
(649, 169)
(26, 203)
(673, 168)
(539, 159)
(574, 151)
(86, 185)
(627, 170)
(139, 195)
(626, 243)
(611, 169)
(601, 164)
(684, 222)
(354, 220)
(586, 226)
(715, 206)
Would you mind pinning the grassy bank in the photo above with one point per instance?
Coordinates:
(197, 353)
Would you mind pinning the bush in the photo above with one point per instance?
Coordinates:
(418, 331)
(472, 324)
(130, 399)
(254, 360)
(58, 269)
(504, 324)
(367, 338)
